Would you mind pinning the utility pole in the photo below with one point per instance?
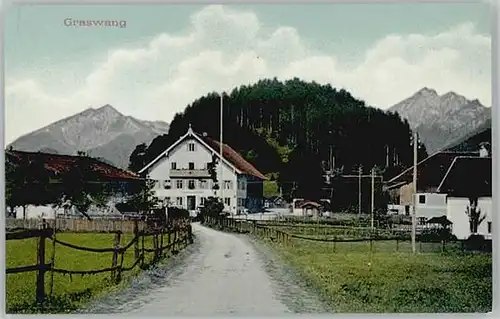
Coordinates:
(221, 153)
(373, 194)
(414, 214)
(360, 171)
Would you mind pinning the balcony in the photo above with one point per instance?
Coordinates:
(186, 173)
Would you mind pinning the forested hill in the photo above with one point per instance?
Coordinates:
(272, 121)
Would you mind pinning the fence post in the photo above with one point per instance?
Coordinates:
(155, 246)
(162, 231)
(174, 244)
(442, 246)
(40, 280)
(114, 261)
(169, 238)
(136, 236)
(190, 230)
(143, 251)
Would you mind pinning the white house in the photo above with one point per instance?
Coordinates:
(469, 179)
(430, 173)
(183, 179)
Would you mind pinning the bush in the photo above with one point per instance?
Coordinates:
(436, 235)
(477, 242)
(212, 208)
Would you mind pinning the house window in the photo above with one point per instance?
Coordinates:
(179, 184)
(157, 184)
(203, 184)
(489, 227)
(173, 165)
(421, 199)
(421, 220)
(227, 201)
(166, 184)
(202, 200)
(191, 184)
(166, 201)
(228, 185)
(243, 185)
(178, 201)
(191, 147)
(191, 165)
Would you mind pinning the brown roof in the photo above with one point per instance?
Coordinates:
(467, 177)
(56, 164)
(309, 203)
(430, 171)
(233, 157)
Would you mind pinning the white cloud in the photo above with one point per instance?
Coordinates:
(223, 48)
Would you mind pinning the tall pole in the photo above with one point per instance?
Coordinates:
(373, 194)
(360, 171)
(414, 214)
(221, 151)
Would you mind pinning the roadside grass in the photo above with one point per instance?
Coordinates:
(69, 292)
(352, 279)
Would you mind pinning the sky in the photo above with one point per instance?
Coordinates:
(166, 56)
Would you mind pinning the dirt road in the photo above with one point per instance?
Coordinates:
(220, 273)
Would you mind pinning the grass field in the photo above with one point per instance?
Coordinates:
(68, 292)
(352, 279)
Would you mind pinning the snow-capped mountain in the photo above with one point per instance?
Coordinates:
(103, 132)
(442, 119)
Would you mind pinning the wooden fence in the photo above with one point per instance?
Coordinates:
(271, 230)
(77, 225)
(177, 237)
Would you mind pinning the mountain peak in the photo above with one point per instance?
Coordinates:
(108, 109)
(102, 132)
(441, 118)
(427, 91)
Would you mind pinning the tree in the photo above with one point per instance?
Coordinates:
(143, 199)
(213, 207)
(81, 187)
(305, 168)
(212, 170)
(27, 183)
(474, 214)
(137, 159)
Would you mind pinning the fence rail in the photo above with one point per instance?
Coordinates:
(274, 231)
(77, 225)
(181, 235)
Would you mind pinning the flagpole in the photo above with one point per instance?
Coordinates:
(414, 184)
(221, 151)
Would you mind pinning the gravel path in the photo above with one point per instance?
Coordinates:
(221, 273)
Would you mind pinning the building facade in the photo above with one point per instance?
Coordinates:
(430, 173)
(183, 177)
(467, 185)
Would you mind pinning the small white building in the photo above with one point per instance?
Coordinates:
(183, 179)
(469, 179)
(429, 205)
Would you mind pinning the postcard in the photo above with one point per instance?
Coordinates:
(257, 159)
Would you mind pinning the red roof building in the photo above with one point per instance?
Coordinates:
(57, 164)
